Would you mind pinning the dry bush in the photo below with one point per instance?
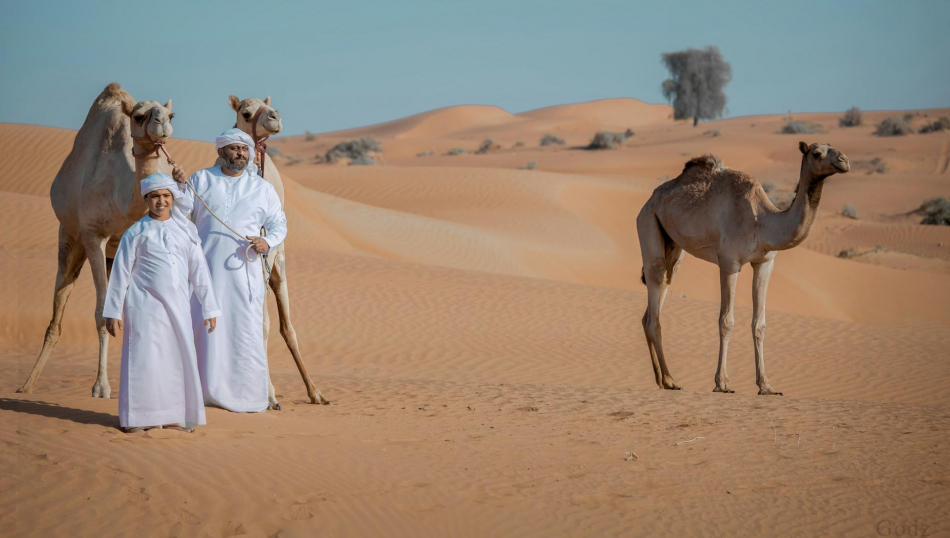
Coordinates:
(851, 118)
(894, 126)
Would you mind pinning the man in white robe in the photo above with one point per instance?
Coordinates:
(232, 361)
(158, 264)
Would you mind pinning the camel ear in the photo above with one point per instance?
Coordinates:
(267, 101)
(803, 147)
(168, 105)
(235, 102)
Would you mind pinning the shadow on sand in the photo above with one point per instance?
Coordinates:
(46, 409)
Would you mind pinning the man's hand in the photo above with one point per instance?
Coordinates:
(112, 325)
(260, 246)
(210, 324)
(179, 175)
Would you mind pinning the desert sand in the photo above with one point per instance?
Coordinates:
(477, 327)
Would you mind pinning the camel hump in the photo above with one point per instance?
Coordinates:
(708, 163)
(114, 93)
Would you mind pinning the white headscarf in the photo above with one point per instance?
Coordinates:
(159, 181)
(237, 136)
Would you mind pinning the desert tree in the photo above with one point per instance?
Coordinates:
(695, 87)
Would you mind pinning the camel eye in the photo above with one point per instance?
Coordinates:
(138, 118)
(171, 116)
(247, 115)
(817, 154)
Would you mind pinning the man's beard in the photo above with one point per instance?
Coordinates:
(235, 165)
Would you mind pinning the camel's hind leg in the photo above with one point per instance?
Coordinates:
(661, 258)
(727, 288)
(278, 283)
(70, 258)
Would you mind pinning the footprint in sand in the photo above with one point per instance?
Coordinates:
(138, 496)
(233, 528)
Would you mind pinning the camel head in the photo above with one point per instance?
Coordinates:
(151, 121)
(268, 123)
(822, 160)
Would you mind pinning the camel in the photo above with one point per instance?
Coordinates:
(268, 124)
(724, 217)
(96, 196)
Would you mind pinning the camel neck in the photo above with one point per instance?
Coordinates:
(787, 229)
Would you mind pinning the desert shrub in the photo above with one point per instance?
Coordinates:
(487, 145)
(518, 144)
(894, 126)
(530, 166)
(457, 151)
(713, 133)
(849, 211)
(425, 154)
(549, 139)
(628, 133)
(936, 211)
(800, 127)
(364, 160)
(274, 152)
(353, 149)
(309, 137)
(607, 140)
(292, 160)
(877, 165)
(851, 118)
(846, 253)
(942, 124)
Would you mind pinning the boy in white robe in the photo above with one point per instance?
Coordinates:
(158, 264)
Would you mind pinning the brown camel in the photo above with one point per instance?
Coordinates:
(268, 124)
(96, 196)
(724, 217)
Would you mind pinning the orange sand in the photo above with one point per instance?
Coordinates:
(478, 328)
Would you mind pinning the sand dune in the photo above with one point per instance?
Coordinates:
(478, 327)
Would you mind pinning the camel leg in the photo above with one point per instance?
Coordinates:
(727, 287)
(70, 259)
(661, 258)
(272, 402)
(760, 284)
(278, 283)
(96, 251)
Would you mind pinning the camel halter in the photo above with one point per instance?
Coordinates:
(260, 145)
(160, 146)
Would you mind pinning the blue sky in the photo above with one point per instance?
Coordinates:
(333, 65)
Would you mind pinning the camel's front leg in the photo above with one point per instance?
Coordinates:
(272, 402)
(727, 286)
(760, 284)
(96, 251)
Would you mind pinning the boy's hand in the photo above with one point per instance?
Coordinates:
(260, 246)
(112, 325)
(178, 174)
(210, 324)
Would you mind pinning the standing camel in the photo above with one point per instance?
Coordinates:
(96, 196)
(251, 112)
(724, 217)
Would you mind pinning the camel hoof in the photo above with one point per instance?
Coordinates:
(318, 399)
(100, 390)
(769, 392)
(274, 406)
(24, 390)
(724, 390)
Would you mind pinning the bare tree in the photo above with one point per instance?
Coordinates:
(696, 83)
